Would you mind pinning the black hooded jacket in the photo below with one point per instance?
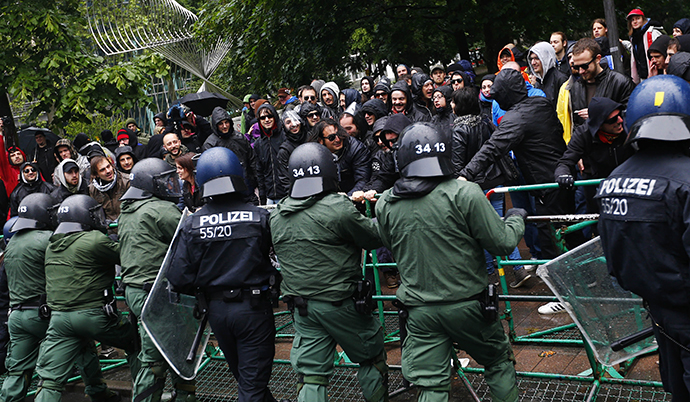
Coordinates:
(366, 96)
(25, 188)
(376, 107)
(417, 87)
(292, 141)
(610, 84)
(599, 158)
(412, 111)
(444, 117)
(266, 148)
(238, 144)
(124, 150)
(352, 96)
(354, 169)
(383, 169)
(530, 128)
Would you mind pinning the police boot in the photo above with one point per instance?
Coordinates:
(183, 393)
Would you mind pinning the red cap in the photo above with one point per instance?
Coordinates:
(635, 11)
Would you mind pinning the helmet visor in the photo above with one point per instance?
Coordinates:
(223, 185)
(661, 127)
(167, 184)
(98, 218)
(306, 187)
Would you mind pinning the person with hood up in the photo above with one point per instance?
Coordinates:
(310, 114)
(132, 126)
(681, 27)
(372, 110)
(400, 101)
(422, 87)
(330, 99)
(496, 111)
(510, 53)
(266, 148)
(383, 169)
(16, 158)
(86, 147)
(485, 102)
(531, 129)
(225, 136)
(443, 117)
(127, 137)
(599, 143)
(350, 155)
(366, 84)
(295, 135)
(109, 140)
(348, 97)
(64, 149)
(543, 65)
(189, 137)
(680, 66)
(382, 90)
(643, 32)
(70, 181)
(125, 159)
(30, 181)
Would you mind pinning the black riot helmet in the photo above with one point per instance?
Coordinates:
(219, 171)
(312, 171)
(423, 151)
(35, 213)
(79, 213)
(153, 177)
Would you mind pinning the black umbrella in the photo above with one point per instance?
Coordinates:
(27, 141)
(203, 103)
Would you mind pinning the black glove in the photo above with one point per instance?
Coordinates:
(565, 181)
(517, 212)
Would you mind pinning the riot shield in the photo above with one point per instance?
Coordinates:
(602, 310)
(168, 318)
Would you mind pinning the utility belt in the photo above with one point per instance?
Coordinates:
(362, 298)
(41, 305)
(488, 302)
(255, 294)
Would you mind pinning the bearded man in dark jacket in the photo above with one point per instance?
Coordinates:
(400, 101)
(225, 136)
(531, 129)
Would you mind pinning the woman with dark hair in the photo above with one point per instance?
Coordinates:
(366, 84)
(191, 192)
(443, 117)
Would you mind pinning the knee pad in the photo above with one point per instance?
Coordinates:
(52, 385)
(310, 379)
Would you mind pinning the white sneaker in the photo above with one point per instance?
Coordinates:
(552, 308)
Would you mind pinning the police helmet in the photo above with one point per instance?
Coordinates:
(152, 176)
(219, 171)
(658, 109)
(423, 151)
(312, 171)
(34, 213)
(7, 231)
(79, 213)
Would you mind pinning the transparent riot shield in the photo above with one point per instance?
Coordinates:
(602, 310)
(168, 318)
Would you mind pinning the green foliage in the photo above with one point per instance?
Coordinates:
(47, 59)
(280, 43)
(99, 122)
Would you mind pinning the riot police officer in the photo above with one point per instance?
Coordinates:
(436, 228)
(644, 215)
(24, 264)
(318, 236)
(146, 226)
(79, 273)
(223, 257)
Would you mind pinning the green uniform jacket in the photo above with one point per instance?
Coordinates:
(437, 241)
(319, 244)
(79, 267)
(25, 265)
(146, 229)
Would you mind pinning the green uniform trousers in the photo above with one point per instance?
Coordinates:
(428, 349)
(152, 364)
(314, 347)
(27, 330)
(67, 337)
